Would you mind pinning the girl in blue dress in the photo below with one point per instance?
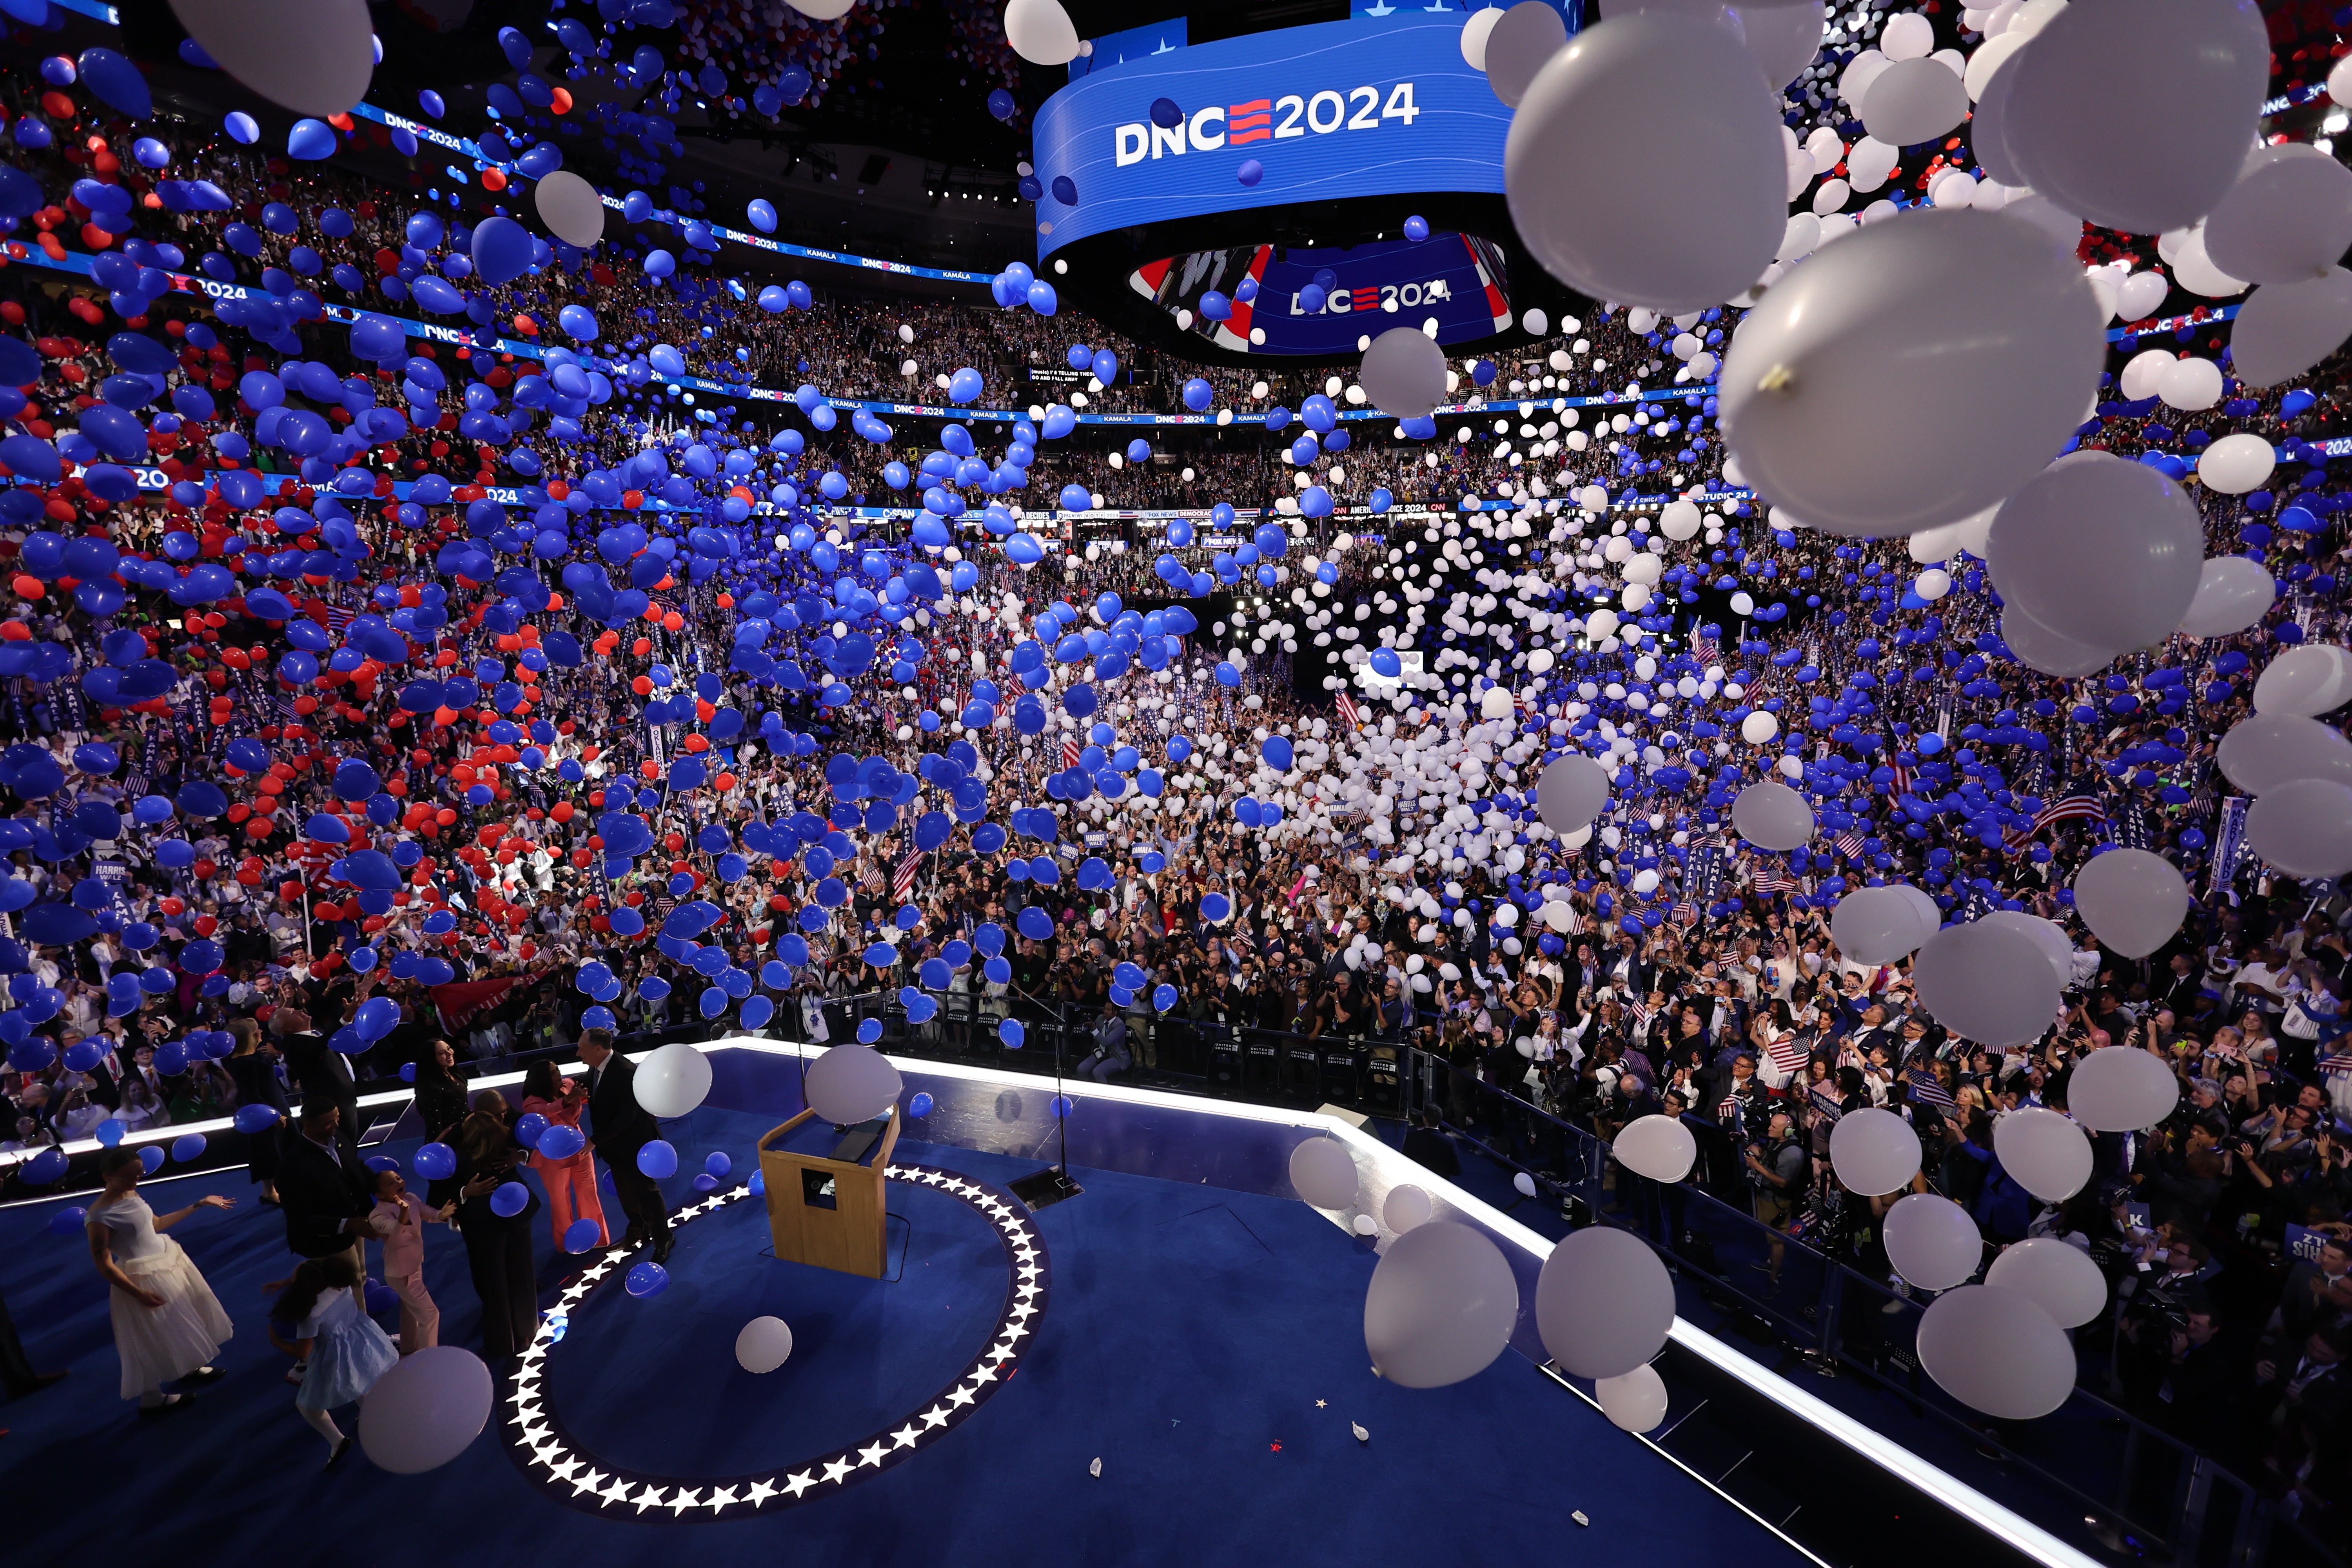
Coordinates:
(343, 1348)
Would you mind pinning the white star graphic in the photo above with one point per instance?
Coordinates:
(650, 1497)
(905, 1436)
(538, 1455)
(761, 1492)
(683, 1499)
(587, 1485)
(837, 1468)
(872, 1455)
(720, 1497)
(562, 1472)
(936, 1415)
(618, 1491)
(963, 1396)
(799, 1483)
(983, 1374)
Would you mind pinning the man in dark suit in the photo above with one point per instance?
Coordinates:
(620, 1127)
(322, 1075)
(326, 1192)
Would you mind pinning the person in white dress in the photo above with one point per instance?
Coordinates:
(168, 1325)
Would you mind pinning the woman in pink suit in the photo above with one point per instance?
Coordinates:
(571, 1181)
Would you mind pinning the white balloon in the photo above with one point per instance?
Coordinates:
(2142, 373)
(1324, 1174)
(821, 10)
(1907, 36)
(1987, 983)
(2103, 551)
(1931, 1241)
(1518, 44)
(1873, 1151)
(1603, 1303)
(1636, 1401)
(1943, 543)
(1870, 162)
(2121, 1088)
(763, 1345)
(1441, 1306)
(1931, 917)
(1677, 219)
(1758, 728)
(1041, 32)
(1406, 1206)
(1877, 925)
(1572, 791)
(570, 207)
(2308, 681)
(2137, 114)
(1912, 101)
(1997, 1351)
(2269, 750)
(313, 57)
(2236, 464)
(852, 1083)
(1474, 34)
(426, 1410)
(2061, 1278)
(1773, 816)
(1784, 39)
(1658, 1147)
(1989, 57)
(2141, 296)
(2133, 901)
(2285, 329)
(1403, 373)
(2232, 595)
(2288, 218)
(2043, 935)
(2191, 385)
(672, 1080)
(2304, 829)
(2043, 1151)
(1839, 385)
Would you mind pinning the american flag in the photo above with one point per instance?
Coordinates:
(2341, 1062)
(339, 620)
(1787, 1051)
(1704, 648)
(1350, 713)
(1849, 844)
(1900, 782)
(1773, 878)
(1928, 1092)
(2075, 807)
(1685, 913)
(905, 876)
(1071, 751)
(1640, 1008)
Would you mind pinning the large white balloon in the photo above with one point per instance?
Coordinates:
(1636, 1401)
(426, 1410)
(2103, 551)
(1403, 372)
(1873, 1151)
(2137, 114)
(1986, 983)
(1405, 1207)
(1877, 925)
(1441, 1306)
(2236, 464)
(1041, 32)
(1997, 1350)
(1841, 387)
(2121, 1088)
(2232, 594)
(2288, 218)
(2287, 328)
(821, 10)
(570, 207)
(314, 57)
(1603, 1303)
(1784, 38)
(2308, 681)
(1913, 101)
(2044, 1152)
(1324, 1174)
(1474, 34)
(1773, 816)
(2043, 935)
(2304, 829)
(1521, 41)
(2133, 901)
(763, 1345)
(1571, 792)
(1932, 1242)
(672, 1080)
(2052, 653)
(1758, 728)
(1658, 1147)
(2062, 1279)
(852, 1083)
(1677, 215)
(2262, 752)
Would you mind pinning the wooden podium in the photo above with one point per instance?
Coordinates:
(828, 1212)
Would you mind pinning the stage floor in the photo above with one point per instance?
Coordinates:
(1205, 1343)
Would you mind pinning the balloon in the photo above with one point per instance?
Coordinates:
(1441, 1306)
(1987, 984)
(313, 57)
(1658, 1147)
(2269, 750)
(2052, 653)
(435, 1162)
(2055, 948)
(1603, 1303)
(2287, 328)
(647, 1278)
(1474, 34)
(1877, 925)
(2308, 681)
(2060, 1278)
(2234, 593)
(1932, 1242)
(1873, 1151)
(2304, 827)
(1405, 1207)
(571, 208)
(673, 1080)
(2121, 1088)
(1773, 816)
(2043, 1152)
(1571, 792)
(1517, 45)
(426, 1410)
(2133, 901)
(763, 1345)
(1758, 728)
(510, 1200)
(658, 1159)
(1324, 1174)
(2137, 114)
(1996, 1350)
(1913, 101)
(1403, 372)
(581, 1234)
(1636, 1401)
(1841, 386)
(1040, 32)
(852, 1083)
(1611, 203)
(2236, 464)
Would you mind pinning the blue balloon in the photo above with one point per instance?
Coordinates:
(581, 1234)
(435, 1162)
(657, 1159)
(510, 1200)
(647, 1278)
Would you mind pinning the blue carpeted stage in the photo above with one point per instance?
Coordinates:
(1200, 1336)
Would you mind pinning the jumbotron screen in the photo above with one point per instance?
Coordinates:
(1319, 301)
